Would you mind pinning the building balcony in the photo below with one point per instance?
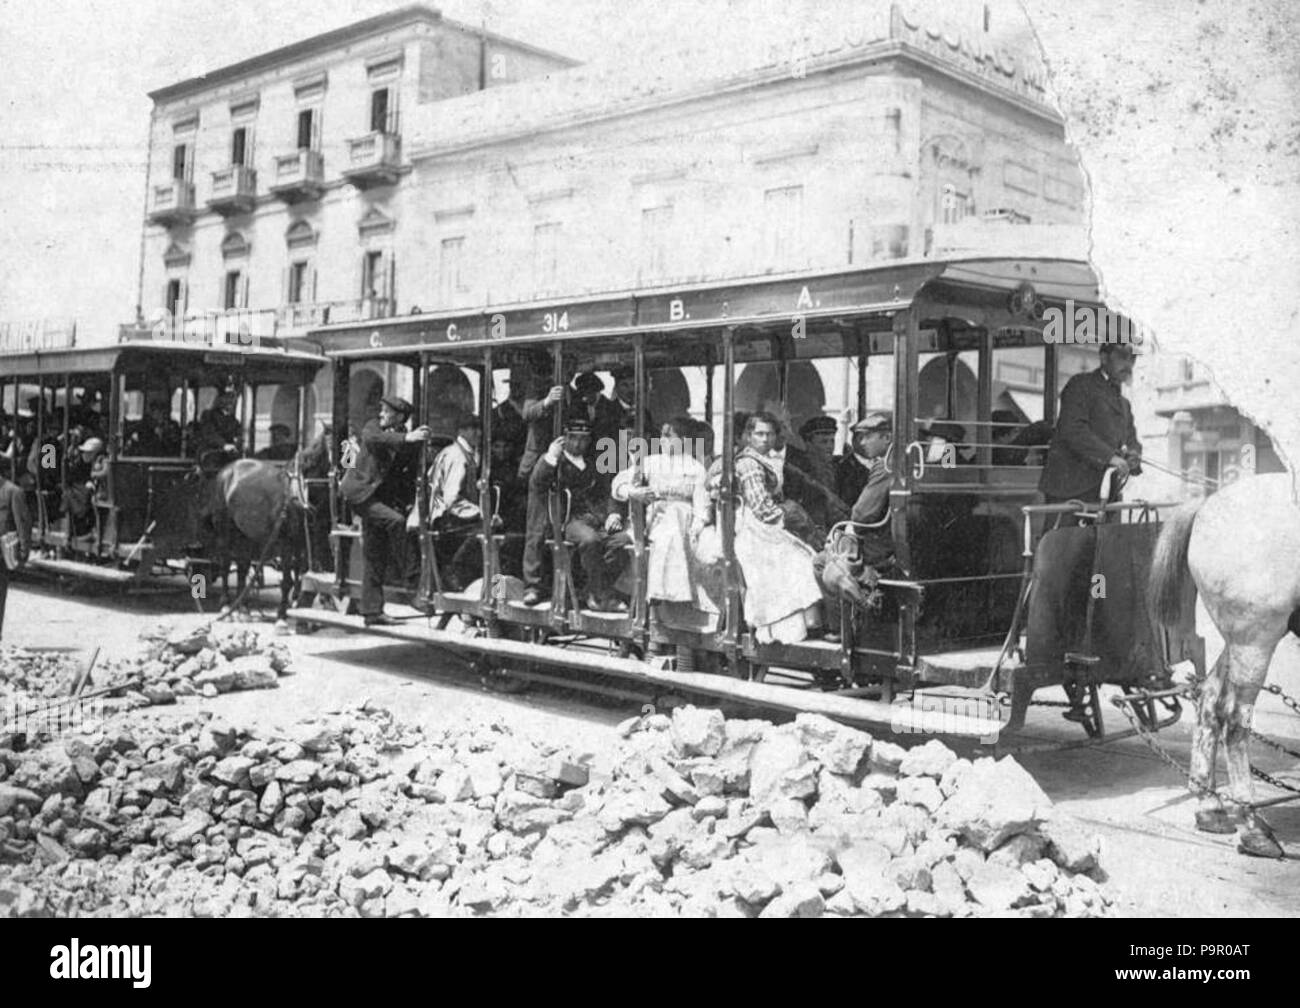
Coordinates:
(299, 176)
(308, 315)
(173, 203)
(234, 190)
(374, 160)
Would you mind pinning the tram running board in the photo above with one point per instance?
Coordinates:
(904, 719)
(75, 568)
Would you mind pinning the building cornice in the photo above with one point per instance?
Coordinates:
(872, 53)
(331, 41)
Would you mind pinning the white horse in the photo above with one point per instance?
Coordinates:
(1242, 548)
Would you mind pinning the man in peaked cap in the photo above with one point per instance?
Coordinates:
(864, 465)
(370, 486)
(593, 527)
(1094, 432)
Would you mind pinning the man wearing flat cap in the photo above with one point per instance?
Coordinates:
(372, 487)
(594, 528)
(863, 466)
(1094, 432)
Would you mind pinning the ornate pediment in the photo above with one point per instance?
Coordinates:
(375, 222)
(234, 245)
(176, 257)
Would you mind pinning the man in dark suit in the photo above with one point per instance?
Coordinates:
(594, 527)
(13, 518)
(1094, 432)
(373, 486)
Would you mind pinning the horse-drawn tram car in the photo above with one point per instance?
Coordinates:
(117, 445)
(944, 610)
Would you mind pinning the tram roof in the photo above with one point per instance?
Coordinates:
(878, 290)
(104, 358)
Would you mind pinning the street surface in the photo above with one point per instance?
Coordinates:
(1158, 863)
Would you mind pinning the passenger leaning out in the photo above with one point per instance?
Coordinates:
(782, 597)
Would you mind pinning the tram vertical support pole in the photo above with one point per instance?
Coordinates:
(640, 608)
(727, 506)
(490, 562)
(906, 382)
(984, 407)
(429, 582)
(1050, 370)
(560, 574)
(340, 545)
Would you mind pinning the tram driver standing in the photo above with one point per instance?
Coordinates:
(372, 487)
(1094, 432)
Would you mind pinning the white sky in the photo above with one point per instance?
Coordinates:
(74, 77)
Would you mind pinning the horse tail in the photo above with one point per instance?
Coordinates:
(1165, 585)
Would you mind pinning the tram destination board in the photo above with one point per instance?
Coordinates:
(781, 298)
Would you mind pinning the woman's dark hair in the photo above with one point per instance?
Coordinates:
(761, 417)
(682, 424)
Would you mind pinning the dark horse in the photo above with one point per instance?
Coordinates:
(258, 512)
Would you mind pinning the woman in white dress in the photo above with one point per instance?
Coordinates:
(672, 484)
(782, 597)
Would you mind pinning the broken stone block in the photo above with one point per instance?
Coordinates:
(1070, 845)
(1020, 849)
(953, 776)
(838, 747)
(922, 791)
(697, 732)
(996, 801)
(929, 760)
(800, 901)
(887, 756)
(233, 771)
(788, 815)
(998, 886)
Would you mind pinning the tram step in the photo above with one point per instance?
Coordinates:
(76, 568)
(962, 668)
(878, 716)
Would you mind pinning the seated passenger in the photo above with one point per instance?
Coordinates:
(671, 484)
(817, 459)
(453, 505)
(781, 594)
(281, 448)
(872, 436)
(219, 429)
(156, 436)
(592, 527)
(867, 444)
(84, 474)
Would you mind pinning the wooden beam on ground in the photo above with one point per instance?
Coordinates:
(874, 714)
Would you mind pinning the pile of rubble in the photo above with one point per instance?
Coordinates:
(358, 814)
(168, 663)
